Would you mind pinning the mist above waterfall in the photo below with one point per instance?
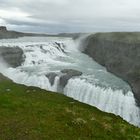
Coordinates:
(79, 42)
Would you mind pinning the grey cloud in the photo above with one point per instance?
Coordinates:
(74, 15)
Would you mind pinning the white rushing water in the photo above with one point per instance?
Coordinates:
(96, 86)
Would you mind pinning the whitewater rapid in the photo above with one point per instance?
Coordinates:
(96, 86)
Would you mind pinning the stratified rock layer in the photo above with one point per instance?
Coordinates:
(12, 56)
(120, 54)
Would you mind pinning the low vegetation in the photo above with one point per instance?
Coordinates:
(28, 113)
(125, 37)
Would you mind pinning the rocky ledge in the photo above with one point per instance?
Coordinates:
(68, 74)
(120, 54)
(12, 56)
(64, 75)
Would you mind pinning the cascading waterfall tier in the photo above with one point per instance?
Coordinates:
(105, 99)
(87, 81)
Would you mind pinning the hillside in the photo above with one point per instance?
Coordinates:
(123, 37)
(28, 113)
(6, 34)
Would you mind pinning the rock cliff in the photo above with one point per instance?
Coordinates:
(12, 56)
(120, 54)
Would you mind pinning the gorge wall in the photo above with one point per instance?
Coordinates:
(12, 56)
(120, 54)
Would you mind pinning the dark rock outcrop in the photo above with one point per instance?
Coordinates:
(51, 76)
(3, 29)
(68, 74)
(120, 54)
(12, 56)
(64, 76)
(4, 33)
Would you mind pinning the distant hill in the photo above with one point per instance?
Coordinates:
(5, 34)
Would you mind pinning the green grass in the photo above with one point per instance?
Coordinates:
(28, 113)
(126, 37)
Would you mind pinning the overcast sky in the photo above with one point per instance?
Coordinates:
(53, 16)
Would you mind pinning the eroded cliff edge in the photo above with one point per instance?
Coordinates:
(120, 54)
(12, 56)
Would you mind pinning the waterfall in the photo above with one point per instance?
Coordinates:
(95, 86)
(107, 100)
(40, 81)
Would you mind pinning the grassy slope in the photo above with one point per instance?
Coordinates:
(28, 113)
(126, 37)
